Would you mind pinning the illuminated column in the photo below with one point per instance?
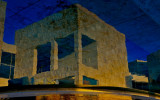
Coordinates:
(2, 19)
(54, 56)
(78, 55)
(34, 62)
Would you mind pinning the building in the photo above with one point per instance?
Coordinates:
(2, 20)
(154, 70)
(72, 43)
(139, 71)
(7, 51)
(138, 67)
(154, 66)
(140, 82)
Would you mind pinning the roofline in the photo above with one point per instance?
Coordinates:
(96, 17)
(137, 61)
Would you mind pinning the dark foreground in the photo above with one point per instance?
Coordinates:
(72, 92)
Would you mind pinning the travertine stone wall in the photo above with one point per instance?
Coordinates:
(2, 19)
(3, 82)
(112, 65)
(111, 48)
(56, 26)
(9, 48)
(90, 56)
(4, 46)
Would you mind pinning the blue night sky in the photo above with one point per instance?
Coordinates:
(138, 20)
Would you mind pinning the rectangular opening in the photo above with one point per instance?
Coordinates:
(43, 57)
(7, 65)
(89, 52)
(8, 58)
(65, 46)
(89, 81)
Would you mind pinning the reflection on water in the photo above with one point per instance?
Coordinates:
(82, 97)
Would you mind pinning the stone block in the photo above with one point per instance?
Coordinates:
(106, 60)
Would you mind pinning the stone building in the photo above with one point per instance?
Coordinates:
(138, 67)
(154, 71)
(139, 73)
(7, 51)
(154, 67)
(72, 43)
(2, 19)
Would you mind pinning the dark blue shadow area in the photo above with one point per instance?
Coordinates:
(8, 58)
(86, 40)
(65, 46)
(89, 81)
(89, 54)
(6, 71)
(43, 57)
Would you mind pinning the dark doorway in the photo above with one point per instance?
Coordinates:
(43, 57)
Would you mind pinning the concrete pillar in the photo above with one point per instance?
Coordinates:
(2, 20)
(54, 56)
(1, 43)
(78, 47)
(78, 54)
(34, 62)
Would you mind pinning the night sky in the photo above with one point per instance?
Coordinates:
(137, 19)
